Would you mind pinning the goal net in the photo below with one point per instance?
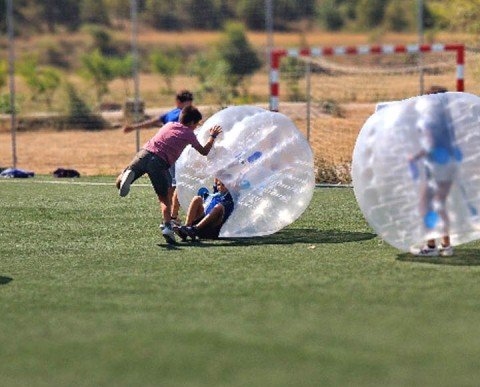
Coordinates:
(330, 92)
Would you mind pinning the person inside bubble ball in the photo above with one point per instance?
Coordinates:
(207, 213)
(440, 158)
(159, 153)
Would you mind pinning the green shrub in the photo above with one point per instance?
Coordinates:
(79, 114)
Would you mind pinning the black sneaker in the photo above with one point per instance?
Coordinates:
(181, 232)
(192, 232)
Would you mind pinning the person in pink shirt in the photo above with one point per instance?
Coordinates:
(159, 153)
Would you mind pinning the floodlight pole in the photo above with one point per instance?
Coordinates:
(269, 33)
(420, 43)
(136, 81)
(11, 74)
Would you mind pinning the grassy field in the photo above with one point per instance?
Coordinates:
(91, 296)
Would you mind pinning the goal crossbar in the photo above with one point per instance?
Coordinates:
(278, 53)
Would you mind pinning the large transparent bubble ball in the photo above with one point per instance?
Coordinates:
(264, 161)
(416, 169)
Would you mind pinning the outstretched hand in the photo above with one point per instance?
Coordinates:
(216, 130)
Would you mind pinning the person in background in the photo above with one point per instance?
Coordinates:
(439, 157)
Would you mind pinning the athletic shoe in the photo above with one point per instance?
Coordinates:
(173, 222)
(176, 223)
(127, 179)
(168, 234)
(192, 232)
(445, 251)
(425, 251)
(181, 232)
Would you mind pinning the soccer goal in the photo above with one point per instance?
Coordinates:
(330, 91)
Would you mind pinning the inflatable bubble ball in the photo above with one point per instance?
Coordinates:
(263, 160)
(416, 170)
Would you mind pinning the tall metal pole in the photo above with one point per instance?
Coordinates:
(11, 74)
(308, 70)
(420, 43)
(269, 32)
(136, 81)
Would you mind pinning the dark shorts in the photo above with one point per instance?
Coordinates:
(155, 168)
(208, 232)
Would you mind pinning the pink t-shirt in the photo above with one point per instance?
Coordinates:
(170, 141)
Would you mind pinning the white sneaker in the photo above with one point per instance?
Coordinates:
(445, 251)
(168, 234)
(127, 179)
(425, 251)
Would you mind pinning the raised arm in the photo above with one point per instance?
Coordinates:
(142, 125)
(214, 132)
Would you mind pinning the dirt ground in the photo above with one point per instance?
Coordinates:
(106, 152)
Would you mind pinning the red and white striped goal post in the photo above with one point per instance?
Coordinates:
(278, 53)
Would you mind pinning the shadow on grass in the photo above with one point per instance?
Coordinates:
(468, 257)
(283, 237)
(5, 280)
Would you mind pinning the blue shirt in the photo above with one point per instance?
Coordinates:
(171, 116)
(224, 199)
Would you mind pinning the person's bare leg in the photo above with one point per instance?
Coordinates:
(213, 219)
(195, 210)
(446, 241)
(175, 204)
(118, 180)
(165, 206)
(443, 191)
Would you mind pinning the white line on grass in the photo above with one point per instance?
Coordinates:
(63, 182)
(9, 180)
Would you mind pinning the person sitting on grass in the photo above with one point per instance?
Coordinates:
(206, 215)
(159, 153)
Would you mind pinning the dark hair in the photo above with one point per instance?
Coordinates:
(190, 115)
(184, 96)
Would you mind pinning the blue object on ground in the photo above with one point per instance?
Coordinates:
(16, 173)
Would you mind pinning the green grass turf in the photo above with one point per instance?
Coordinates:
(88, 297)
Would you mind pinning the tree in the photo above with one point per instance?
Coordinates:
(330, 15)
(60, 12)
(94, 12)
(119, 9)
(162, 15)
(396, 15)
(370, 13)
(235, 50)
(252, 13)
(42, 81)
(167, 65)
(203, 14)
(97, 68)
(213, 76)
(3, 73)
(458, 14)
(79, 113)
(122, 68)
